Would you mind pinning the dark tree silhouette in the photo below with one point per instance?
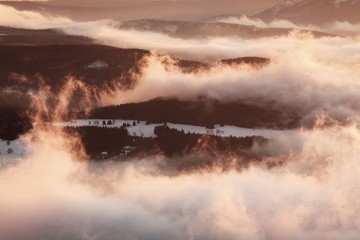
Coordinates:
(13, 123)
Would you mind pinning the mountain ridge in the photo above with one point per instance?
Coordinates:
(316, 12)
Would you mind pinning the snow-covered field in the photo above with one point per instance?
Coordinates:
(16, 149)
(99, 64)
(141, 129)
(10, 150)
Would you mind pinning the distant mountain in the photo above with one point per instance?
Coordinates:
(138, 9)
(27, 37)
(188, 29)
(317, 12)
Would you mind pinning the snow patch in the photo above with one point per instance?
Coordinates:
(10, 151)
(286, 4)
(98, 64)
(171, 28)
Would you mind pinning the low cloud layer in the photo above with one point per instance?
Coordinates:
(336, 28)
(313, 195)
(312, 77)
(244, 20)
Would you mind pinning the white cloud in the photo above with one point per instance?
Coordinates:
(313, 195)
(278, 23)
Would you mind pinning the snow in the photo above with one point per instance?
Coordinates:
(339, 3)
(98, 64)
(95, 123)
(188, 128)
(171, 28)
(285, 4)
(17, 146)
(289, 3)
(141, 129)
(228, 131)
(18, 150)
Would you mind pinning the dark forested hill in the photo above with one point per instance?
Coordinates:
(31, 37)
(94, 64)
(202, 112)
(13, 122)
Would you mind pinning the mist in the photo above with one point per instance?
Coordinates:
(317, 78)
(340, 28)
(313, 195)
(55, 191)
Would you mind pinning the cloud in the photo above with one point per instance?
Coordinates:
(313, 195)
(312, 77)
(278, 23)
(336, 28)
(345, 28)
